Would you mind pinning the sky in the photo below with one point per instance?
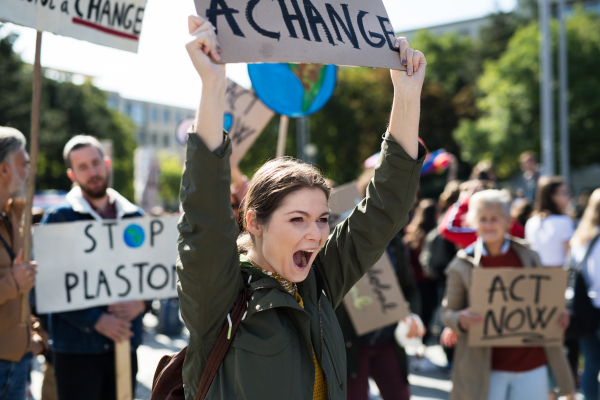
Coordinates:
(161, 71)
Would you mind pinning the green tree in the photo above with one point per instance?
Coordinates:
(66, 110)
(510, 102)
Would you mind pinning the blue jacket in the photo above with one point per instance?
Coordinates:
(73, 331)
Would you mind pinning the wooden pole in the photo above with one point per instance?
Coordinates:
(33, 154)
(283, 128)
(123, 370)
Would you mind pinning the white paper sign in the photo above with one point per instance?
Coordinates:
(108, 23)
(94, 263)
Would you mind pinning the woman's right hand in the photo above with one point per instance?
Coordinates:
(466, 318)
(204, 50)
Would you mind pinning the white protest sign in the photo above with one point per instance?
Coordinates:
(519, 306)
(94, 263)
(115, 24)
(342, 32)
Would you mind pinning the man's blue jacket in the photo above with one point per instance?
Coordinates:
(73, 331)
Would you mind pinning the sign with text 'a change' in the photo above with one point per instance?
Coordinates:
(342, 32)
(93, 263)
(116, 23)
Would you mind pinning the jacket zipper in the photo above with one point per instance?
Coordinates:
(322, 351)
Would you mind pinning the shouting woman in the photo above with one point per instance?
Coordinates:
(290, 344)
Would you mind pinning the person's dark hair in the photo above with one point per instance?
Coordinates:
(11, 140)
(547, 187)
(78, 142)
(268, 188)
(483, 171)
(424, 220)
(521, 210)
(450, 195)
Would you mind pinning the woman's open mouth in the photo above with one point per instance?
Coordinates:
(302, 258)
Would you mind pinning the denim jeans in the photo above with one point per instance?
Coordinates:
(590, 347)
(529, 385)
(13, 378)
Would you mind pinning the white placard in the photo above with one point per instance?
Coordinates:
(94, 263)
(108, 23)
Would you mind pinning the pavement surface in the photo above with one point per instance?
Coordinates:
(428, 379)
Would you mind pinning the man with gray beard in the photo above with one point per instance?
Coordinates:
(18, 343)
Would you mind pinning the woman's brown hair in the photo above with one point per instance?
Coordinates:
(424, 221)
(547, 187)
(270, 185)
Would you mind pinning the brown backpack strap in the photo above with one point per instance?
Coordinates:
(222, 344)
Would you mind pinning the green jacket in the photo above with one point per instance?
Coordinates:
(271, 354)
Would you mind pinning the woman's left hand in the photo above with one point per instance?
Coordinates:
(415, 64)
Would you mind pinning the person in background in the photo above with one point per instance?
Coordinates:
(453, 226)
(83, 340)
(484, 171)
(521, 210)
(424, 221)
(526, 185)
(18, 342)
(584, 236)
(582, 202)
(377, 355)
(549, 230)
(507, 373)
(437, 253)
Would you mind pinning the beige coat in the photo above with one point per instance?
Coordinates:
(15, 339)
(472, 365)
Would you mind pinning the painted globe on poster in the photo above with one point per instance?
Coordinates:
(294, 90)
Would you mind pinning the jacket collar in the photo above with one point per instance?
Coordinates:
(473, 253)
(81, 205)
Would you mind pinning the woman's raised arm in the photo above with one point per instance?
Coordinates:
(204, 50)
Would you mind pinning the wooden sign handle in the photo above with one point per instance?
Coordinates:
(283, 128)
(123, 370)
(33, 154)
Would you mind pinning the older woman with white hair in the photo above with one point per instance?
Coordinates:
(519, 373)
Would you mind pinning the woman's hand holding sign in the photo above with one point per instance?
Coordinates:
(406, 111)
(468, 318)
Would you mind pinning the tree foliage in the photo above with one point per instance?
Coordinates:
(510, 102)
(66, 110)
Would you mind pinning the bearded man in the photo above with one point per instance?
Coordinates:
(83, 340)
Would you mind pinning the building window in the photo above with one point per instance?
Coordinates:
(154, 114)
(142, 138)
(166, 116)
(178, 117)
(136, 113)
(166, 140)
(154, 139)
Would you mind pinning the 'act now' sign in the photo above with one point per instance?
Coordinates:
(94, 263)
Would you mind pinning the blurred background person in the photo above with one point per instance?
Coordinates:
(377, 355)
(506, 373)
(424, 221)
(585, 243)
(526, 185)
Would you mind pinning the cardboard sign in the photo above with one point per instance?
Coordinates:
(115, 24)
(342, 32)
(376, 301)
(520, 307)
(245, 118)
(342, 201)
(94, 263)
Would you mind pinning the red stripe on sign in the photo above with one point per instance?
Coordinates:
(104, 29)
